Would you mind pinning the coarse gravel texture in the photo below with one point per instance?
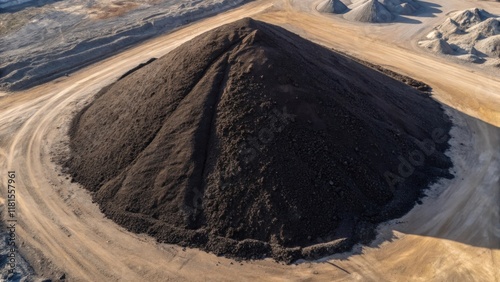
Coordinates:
(242, 143)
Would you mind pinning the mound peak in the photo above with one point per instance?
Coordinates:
(489, 46)
(243, 143)
(438, 45)
(401, 7)
(333, 6)
(467, 18)
(371, 11)
(488, 27)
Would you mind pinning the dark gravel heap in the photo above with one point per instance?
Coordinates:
(250, 141)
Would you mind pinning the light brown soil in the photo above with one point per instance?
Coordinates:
(429, 247)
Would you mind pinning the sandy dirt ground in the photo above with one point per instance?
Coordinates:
(453, 236)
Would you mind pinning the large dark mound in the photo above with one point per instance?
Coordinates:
(251, 141)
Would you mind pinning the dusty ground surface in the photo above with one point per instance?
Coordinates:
(411, 29)
(39, 43)
(451, 236)
(329, 153)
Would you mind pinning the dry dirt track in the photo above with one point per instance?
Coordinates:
(453, 236)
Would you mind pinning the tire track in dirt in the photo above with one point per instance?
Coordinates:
(99, 250)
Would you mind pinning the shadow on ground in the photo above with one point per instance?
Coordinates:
(467, 212)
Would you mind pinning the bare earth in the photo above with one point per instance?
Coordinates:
(453, 236)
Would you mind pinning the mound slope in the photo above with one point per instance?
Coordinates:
(251, 141)
(370, 11)
(438, 46)
(332, 6)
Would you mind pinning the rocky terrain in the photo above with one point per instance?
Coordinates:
(47, 39)
(242, 143)
(472, 35)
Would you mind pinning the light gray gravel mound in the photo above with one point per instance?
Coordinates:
(371, 11)
(471, 35)
(332, 6)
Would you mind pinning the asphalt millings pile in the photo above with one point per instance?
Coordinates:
(250, 141)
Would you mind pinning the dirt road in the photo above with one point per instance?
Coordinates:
(455, 234)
